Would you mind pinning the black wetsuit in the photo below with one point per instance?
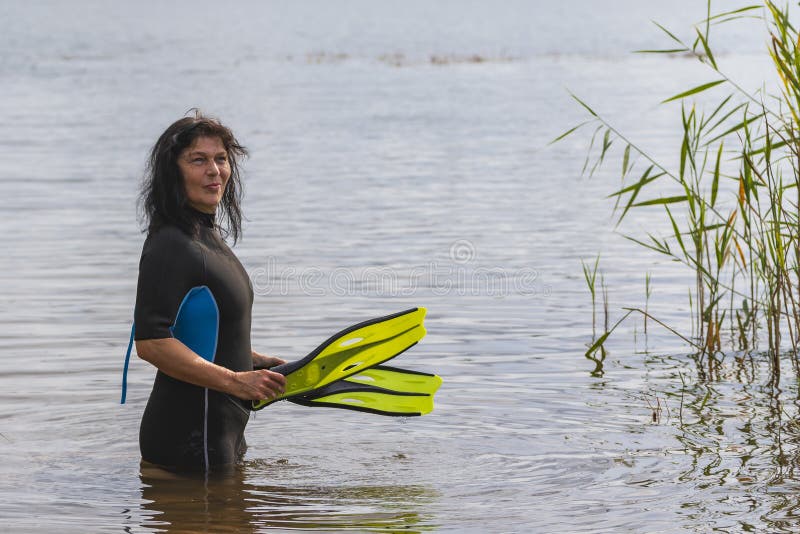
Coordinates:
(186, 426)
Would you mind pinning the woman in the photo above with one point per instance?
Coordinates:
(197, 411)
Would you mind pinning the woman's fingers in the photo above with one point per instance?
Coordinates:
(274, 360)
(261, 361)
(273, 382)
(258, 385)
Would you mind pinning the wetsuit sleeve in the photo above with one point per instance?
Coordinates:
(170, 266)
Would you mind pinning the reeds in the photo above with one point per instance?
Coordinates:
(732, 203)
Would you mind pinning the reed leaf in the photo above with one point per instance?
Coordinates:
(694, 90)
(676, 231)
(584, 104)
(711, 227)
(729, 19)
(590, 275)
(661, 201)
(672, 36)
(634, 189)
(705, 122)
(780, 19)
(626, 157)
(658, 246)
(724, 119)
(607, 142)
(663, 51)
(597, 344)
(746, 186)
(589, 152)
(707, 50)
(645, 179)
(684, 149)
(739, 126)
(570, 131)
(741, 253)
(715, 181)
(766, 148)
(734, 12)
(602, 339)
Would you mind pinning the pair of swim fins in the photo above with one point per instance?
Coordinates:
(346, 372)
(343, 372)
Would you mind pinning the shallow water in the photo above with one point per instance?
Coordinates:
(399, 158)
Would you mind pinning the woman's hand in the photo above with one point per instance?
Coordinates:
(262, 361)
(257, 385)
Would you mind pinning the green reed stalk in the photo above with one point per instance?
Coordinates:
(590, 275)
(648, 291)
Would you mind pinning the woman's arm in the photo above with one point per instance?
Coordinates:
(175, 359)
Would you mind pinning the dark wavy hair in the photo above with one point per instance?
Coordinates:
(162, 199)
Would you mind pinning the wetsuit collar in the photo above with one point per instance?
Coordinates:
(204, 219)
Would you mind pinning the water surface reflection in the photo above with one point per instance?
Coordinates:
(232, 502)
(731, 435)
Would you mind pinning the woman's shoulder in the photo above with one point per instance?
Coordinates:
(170, 257)
(168, 239)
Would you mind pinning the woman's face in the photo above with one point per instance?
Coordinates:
(205, 169)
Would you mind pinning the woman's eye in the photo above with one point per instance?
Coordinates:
(197, 161)
(222, 160)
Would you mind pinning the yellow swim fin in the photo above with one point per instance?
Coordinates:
(397, 380)
(382, 390)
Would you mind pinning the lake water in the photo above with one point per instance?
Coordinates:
(399, 158)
